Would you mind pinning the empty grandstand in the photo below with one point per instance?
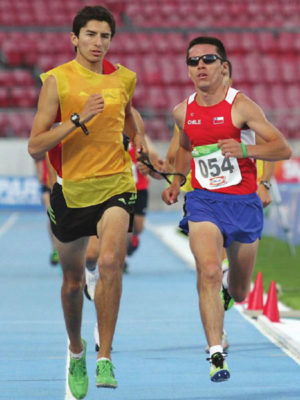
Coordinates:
(262, 39)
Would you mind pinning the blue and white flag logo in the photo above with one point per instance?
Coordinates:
(218, 120)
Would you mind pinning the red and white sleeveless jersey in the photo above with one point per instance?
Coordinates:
(205, 126)
(141, 181)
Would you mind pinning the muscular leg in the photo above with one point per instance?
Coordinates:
(206, 243)
(112, 230)
(133, 238)
(72, 259)
(92, 253)
(138, 224)
(242, 257)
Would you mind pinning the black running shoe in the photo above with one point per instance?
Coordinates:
(228, 301)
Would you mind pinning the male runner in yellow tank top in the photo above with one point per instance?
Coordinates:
(95, 190)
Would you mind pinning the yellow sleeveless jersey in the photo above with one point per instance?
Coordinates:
(94, 166)
(260, 169)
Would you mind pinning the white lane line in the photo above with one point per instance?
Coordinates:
(268, 329)
(180, 246)
(175, 240)
(9, 223)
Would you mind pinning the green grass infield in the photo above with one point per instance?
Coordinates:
(276, 263)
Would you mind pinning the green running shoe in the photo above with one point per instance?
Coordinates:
(219, 371)
(77, 378)
(228, 301)
(54, 260)
(105, 375)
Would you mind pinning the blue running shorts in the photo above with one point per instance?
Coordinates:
(239, 217)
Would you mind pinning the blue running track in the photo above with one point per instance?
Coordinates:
(159, 342)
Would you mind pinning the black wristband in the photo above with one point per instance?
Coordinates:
(267, 184)
(75, 119)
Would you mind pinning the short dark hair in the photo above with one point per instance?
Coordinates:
(89, 13)
(209, 40)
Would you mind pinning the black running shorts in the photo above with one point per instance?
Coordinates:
(140, 207)
(69, 224)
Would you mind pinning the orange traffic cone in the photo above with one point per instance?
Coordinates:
(256, 296)
(271, 307)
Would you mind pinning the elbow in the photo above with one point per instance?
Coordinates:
(37, 156)
(31, 151)
(288, 152)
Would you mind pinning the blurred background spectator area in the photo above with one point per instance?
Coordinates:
(262, 40)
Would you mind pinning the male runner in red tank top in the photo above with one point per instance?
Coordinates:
(224, 209)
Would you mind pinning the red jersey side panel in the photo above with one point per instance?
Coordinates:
(141, 181)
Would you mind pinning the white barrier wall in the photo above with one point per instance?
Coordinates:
(14, 158)
(18, 183)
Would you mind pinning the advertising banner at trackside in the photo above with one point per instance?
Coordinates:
(18, 191)
(288, 171)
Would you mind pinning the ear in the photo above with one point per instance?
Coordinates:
(74, 39)
(225, 68)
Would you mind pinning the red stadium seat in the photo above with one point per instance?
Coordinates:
(248, 42)
(11, 53)
(175, 95)
(261, 95)
(278, 94)
(286, 42)
(293, 96)
(253, 68)
(151, 73)
(3, 120)
(15, 125)
(239, 73)
(232, 42)
(267, 42)
(6, 78)
(4, 97)
(176, 43)
(22, 77)
(169, 73)
(156, 98)
(157, 129)
(24, 96)
(271, 66)
(288, 66)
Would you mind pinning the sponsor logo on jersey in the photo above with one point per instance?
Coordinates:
(194, 122)
(217, 181)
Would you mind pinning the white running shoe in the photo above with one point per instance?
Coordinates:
(91, 279)
(96, 337)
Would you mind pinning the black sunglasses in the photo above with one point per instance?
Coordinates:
(206, 58)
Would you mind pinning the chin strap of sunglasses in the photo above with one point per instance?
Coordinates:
(143, 158)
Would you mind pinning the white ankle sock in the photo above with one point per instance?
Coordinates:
(76, 356)
(225, 280)
(103, 358)
(215, 349)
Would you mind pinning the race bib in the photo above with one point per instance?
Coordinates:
(213, 170)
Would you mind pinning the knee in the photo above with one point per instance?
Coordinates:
(210, 274)
(110, 266)
(238, 293)
(72, 284)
